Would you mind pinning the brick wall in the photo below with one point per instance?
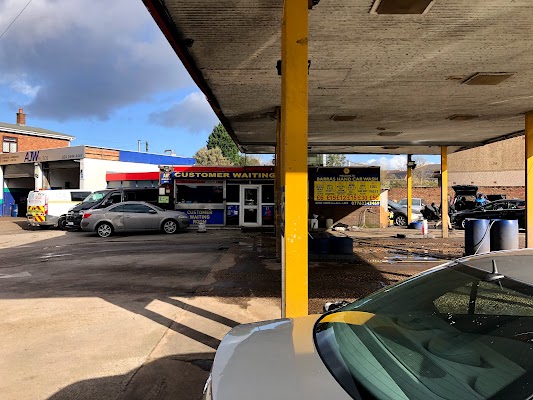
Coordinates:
(349, 215)
(433, 194)
(26, 143)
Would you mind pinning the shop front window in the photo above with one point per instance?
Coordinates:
(267, 194)
(232, 193)
(191, 194)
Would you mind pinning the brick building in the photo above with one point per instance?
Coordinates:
(19, 137)
(35, 158)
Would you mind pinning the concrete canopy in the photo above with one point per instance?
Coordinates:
(403, 77)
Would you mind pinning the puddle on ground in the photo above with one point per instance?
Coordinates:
(408, 258)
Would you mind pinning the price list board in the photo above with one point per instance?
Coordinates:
(346, 186)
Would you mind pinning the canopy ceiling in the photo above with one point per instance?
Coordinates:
(398, 83)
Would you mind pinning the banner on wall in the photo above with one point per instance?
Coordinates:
(210, 217)
(223, 175)
(346, 186)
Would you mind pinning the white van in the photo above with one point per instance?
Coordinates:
(47, 208)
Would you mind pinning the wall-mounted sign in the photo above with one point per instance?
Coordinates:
(223, 175)
(64, 153)
(163, 199)
(232, 210)
(210, 217)
(346, 186)
(164, 177)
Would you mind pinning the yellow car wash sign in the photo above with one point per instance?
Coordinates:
(348, 186)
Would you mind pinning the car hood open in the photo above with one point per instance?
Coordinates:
(272, 360)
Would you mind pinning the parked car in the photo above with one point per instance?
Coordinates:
(133, 216)
(400, 214)
(48, 208)
(105, 198)
(464, 197)
(417, 203)
(463, 330)
(500, 209)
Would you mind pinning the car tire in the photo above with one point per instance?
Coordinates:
(62, 224)
(104, 230)
(400, 220)
(170, 226)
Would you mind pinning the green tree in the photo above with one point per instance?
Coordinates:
(336, 160)
(220, 138)
(214, 156)
(250, 161)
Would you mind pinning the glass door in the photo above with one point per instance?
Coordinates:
(250, 215)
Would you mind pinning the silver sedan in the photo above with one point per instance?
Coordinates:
(131, 216)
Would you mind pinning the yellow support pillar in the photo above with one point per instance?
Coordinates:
(409, 190)
(444, 191)
(294, 69)
(529, 179)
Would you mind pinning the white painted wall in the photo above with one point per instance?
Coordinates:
(93, 172)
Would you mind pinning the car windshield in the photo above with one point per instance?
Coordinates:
(415, 202)
(156, 207)
(95, 197)
(454, 333)
(394, 204)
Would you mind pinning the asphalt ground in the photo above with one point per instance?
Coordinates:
(140, 316)
(131, 317)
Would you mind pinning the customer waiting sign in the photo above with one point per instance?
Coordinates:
(346, 186)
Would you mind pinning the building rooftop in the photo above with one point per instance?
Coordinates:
(32, 131)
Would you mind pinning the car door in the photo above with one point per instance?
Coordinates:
(140, 217)
(116, 216)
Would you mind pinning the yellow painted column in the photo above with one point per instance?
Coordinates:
(294, 55)
(529, 179)
(409, 191)
(444, 191)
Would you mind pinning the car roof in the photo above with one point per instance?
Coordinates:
(514, 264)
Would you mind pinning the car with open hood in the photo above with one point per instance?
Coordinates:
(464, 197)
(500, 209)
(463, 330)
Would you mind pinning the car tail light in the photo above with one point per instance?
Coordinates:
(86, 215)
(46, 208)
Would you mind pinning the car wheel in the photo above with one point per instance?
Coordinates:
(400, 220)
(104, 230)
(170, 226)
(62, 223)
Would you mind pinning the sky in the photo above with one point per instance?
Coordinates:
(103, 72)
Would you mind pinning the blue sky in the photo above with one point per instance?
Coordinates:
(103, 72)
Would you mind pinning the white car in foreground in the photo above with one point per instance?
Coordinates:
(463, 330)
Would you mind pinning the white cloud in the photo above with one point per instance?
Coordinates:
(193, 114)
(25, 88)
(85, 58)
(397, 162)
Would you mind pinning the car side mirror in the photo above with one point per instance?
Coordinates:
(152, 212)
(335, 305)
